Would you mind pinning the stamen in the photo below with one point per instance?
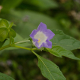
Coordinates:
(39, 40)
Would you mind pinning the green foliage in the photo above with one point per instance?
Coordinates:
(59, 52)
(19, 41)
(49, 69)
(5, 77)
(42, 4)
(9, 4)
(29, 22)
(5, 30)
(65, 41)
(1, 43)
(12, 33)
(4, 23)
(3, 34)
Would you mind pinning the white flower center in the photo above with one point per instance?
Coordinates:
(41, 37)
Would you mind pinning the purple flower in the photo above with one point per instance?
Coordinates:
(41, 36)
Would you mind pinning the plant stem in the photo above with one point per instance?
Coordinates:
(34, 53)
(25, 48)
(4, 47)
(22, 41)
(22, 47)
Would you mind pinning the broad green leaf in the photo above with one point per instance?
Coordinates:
(5, 77)
(65, 41)
(59, 52)
(3, 34)
(48, 69)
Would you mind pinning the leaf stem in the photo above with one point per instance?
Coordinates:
(22, 41)
(43, 64)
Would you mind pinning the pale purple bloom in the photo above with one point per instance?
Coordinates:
(41, 36)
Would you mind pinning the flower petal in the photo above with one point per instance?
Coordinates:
(49, 34)
(41, 36)
(33, 33)
(36, 43)
(42, 27)
(48, 44)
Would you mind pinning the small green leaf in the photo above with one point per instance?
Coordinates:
(12, 33)
(65, 41)
(10, 25)
(5, 77)
(59, 52)
(48, 69)
(4, 23)
(3, 34)
(18, 39)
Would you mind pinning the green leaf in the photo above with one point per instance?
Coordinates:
(12, 33)
(65, 41)
(3, 34)
(4, 23)
(59, 52)
(48, 69)
(18, 39)
(11, 24)
(5, 77)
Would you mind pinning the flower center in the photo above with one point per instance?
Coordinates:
(39, 40)
(41, 37)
